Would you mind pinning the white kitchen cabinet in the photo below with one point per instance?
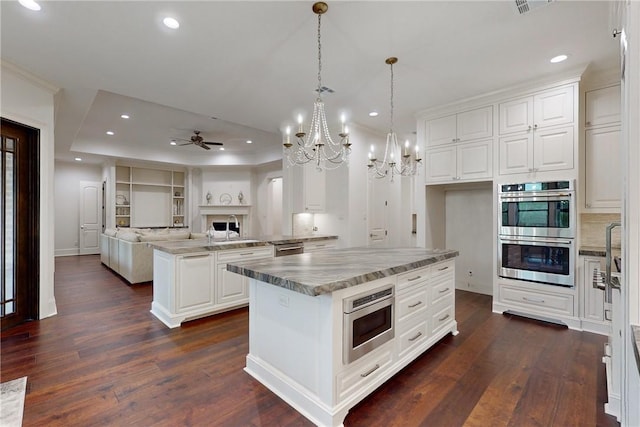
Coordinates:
(319, 245)
(233, 288)
(308, 188)
(593, 306)
(460, 127)
(195, 282)
(460, 162)
(602, 106)
(539, 151)
(548, 108)
(603, 179)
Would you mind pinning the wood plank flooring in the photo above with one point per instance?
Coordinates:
(104, 360)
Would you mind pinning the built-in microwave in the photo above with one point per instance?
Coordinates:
(368, 322)
(540, 209)
(536, 259)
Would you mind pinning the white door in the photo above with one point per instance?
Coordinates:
(274, 206)
(90, 217)
(378, 211)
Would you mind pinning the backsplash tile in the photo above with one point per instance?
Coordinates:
(593, 229)
(302, 224)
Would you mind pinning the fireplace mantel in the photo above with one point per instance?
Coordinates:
(224, 209)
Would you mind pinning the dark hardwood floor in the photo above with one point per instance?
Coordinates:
(104, 360)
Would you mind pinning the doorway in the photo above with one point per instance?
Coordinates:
(274, 206)
(20, 218)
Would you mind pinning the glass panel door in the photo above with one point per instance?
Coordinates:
(8, 232)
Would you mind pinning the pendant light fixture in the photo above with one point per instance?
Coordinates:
(316, 145)
(395, 161)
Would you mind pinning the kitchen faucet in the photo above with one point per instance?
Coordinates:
(211, 233)
(237, 225)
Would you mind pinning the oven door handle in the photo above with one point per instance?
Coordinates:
(534, 195)
(525, 240)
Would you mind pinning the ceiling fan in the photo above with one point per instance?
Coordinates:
(196, 139)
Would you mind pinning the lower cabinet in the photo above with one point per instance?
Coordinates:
(319, 245)
(594, 311)
(190, 286)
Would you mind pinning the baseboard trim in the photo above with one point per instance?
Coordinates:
(67, 252)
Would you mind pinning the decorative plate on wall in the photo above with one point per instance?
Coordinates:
(225, 198)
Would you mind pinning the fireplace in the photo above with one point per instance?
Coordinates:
(219, 215)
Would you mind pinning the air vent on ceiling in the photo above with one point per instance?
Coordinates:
(525, 6)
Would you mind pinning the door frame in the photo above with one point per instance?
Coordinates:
(82, 250)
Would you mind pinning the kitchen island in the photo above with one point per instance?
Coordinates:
(323, 357)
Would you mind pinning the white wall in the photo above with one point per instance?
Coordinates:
(219, 181)
(263, 209)
(28, 100)
(67, 179)
(469, 230)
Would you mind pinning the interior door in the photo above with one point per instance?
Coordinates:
(90, 217)
(378, 211)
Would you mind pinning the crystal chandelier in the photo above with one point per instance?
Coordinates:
(316, 145)
(395, 161)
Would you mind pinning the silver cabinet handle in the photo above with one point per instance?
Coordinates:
(588, 123)
(443, 268)
(414, 278)
(415, 305)
(292, 248)
(247, 253)
(535, 126)
(370, 371)
(453, 140)
(528, 129)
(194, 256)
(540, 300)
(443, 291)
(444, 318)
(418, 335)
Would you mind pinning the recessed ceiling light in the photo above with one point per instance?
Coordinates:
(173, 143)
(373, 114)
(558, 58)
(221, 148)
(110, 132)
(30, 4)
(249, 141)
(78, 159)
(124, 116)
(171, 23)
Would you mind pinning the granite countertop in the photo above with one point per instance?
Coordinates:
(180, 247)
(598, 251)
(280, 239)
(324, 272)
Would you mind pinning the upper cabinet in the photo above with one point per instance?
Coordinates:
(308, 188)
(146, 197)
(461, 162)
(602, 106)
(461, 127)
(602, 177)
(548, 108)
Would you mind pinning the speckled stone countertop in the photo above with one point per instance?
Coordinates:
(598, 251)
(324, 272)
(635, 330)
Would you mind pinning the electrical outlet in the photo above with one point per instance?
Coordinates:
(283, 300)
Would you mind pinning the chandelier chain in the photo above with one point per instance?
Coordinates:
(319, 57)
(391, 119)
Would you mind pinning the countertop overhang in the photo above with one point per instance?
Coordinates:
(324, 272)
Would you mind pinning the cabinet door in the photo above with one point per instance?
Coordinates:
(314, 188)
(553, 107)
(230, 287)
(475, 124)
(602, 106)
(593, 298)
(553, 149)
(603, 181)
(516, 153)
(195, 280)
(441, 164)
(441, 131)
(516, 115)
(475, 160)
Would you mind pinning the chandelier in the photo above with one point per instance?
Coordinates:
(316, 145)
(395, 161)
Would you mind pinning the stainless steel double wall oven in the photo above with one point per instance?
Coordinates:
(537, 230)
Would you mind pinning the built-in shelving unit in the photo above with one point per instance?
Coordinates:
(147, 197)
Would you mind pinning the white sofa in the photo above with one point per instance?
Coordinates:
(126, 252)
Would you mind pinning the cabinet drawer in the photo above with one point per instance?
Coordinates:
(556, 303)
(412, 303)
(245, 254)
(412, 277)
(442, 291)
(441, 317)
(442, 269)
(412, 337)
(362, 372)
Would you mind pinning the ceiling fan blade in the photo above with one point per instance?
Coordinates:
(200, 144)
(187, 143)
(212, 143)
